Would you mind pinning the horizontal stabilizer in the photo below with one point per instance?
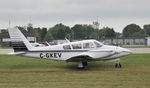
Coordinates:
(17, 53)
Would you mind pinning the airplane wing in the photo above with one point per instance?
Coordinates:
(80, 58)
(91, 56)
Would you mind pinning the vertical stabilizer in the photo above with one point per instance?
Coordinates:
(18, 40)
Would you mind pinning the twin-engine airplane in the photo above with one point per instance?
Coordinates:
(81, 52)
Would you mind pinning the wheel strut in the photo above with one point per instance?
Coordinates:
(82, 65)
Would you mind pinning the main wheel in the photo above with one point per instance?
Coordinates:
(118, 65)
(84, 63)
(81, 67)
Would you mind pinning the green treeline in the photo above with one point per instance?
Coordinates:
(84, 31)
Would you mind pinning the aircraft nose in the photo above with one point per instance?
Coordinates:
(127, 50)
(124, 51)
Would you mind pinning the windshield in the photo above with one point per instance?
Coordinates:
(98, 44)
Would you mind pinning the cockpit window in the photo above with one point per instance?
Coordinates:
(97, 44)
(77, 46)
(66, 47)
(88, 45)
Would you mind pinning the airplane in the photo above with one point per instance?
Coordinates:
(81, 52)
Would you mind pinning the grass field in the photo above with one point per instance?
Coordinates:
(23, 72)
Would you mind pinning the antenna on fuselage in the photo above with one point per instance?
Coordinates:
(67, 40)
(69, 43)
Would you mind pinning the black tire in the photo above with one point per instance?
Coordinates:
(84, 63)
(118, 65)
(81, 67)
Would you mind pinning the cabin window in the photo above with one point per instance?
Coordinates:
(77, 46)
(66, 47)
(97, 44)
(88, 45)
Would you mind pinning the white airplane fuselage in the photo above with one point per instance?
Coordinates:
(56, 52)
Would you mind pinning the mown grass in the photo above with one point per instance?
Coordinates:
(23, 72)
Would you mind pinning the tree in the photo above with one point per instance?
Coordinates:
(80, 31)
(68, 36)
(129, 30)
(141, 33)
(43, 33)
(30, 30)
(4, 31)
(48, 37)
(23, 30)
(38, 32)
(147, 29)
(77, 31)
(118, 35)
(107, 32)
(88, 31)
(59, 31)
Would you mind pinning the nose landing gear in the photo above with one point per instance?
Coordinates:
(118, 65)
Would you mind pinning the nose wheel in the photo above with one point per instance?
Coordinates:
(118, 65)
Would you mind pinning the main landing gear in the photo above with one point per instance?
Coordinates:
(82, 65)
(118, 65)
